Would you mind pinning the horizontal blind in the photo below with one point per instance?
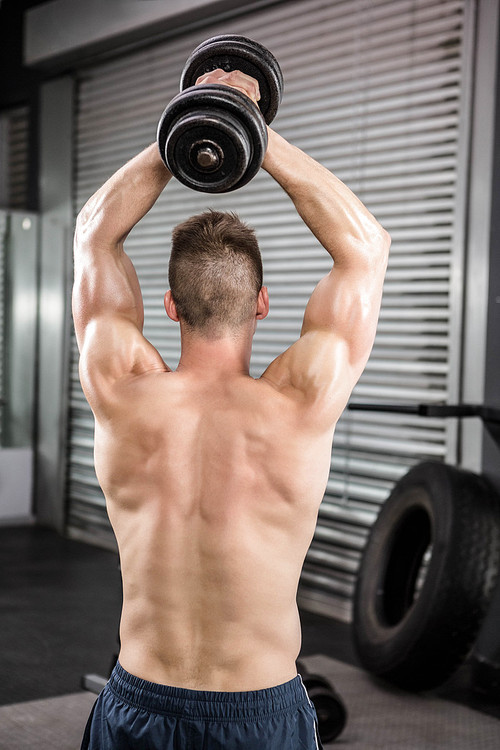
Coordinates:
(373, 90)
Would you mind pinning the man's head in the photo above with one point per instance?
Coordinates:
(215, 274)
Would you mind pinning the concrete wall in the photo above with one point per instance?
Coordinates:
(64, 31)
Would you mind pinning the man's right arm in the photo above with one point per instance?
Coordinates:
(341, 317)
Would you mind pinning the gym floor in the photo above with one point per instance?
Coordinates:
(59, 612)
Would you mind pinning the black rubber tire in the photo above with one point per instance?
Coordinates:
(414, 624)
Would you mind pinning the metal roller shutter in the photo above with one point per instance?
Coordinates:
(14, 156)
(376, 91)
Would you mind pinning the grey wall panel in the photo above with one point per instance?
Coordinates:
(491, 453)
(60, 31)
(375, 91)
(481, 197)
(56, 228)
(3, 236)
(19, 326)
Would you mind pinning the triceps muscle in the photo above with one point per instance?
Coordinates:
(347, 303)
(105, 283)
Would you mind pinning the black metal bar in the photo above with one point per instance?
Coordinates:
(397, 408)
(486, 413)
(490, 414)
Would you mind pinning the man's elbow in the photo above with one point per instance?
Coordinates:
(91, 221)
(384, 239)
(380, 247)
(85, 225)
(81, 234)
(375, 242)
(374, 250)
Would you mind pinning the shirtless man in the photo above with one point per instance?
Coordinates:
(213, 479)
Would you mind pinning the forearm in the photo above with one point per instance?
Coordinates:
(110, 214)
(340, 221)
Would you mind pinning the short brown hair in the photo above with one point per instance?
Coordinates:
(215, 271)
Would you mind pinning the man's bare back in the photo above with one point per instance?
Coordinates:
(213, 486)
(213, 479)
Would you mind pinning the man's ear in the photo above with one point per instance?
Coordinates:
(262, 304)
(170, 307)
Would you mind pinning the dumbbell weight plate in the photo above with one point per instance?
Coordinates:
(230, 52)
(330, 708)
(212, 138)
(210, 158)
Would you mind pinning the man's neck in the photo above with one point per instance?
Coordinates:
(224, 356)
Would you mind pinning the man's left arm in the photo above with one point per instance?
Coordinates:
(108, 310)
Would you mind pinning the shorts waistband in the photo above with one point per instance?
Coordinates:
(207, 704)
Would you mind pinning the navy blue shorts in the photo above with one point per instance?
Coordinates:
(132, 713)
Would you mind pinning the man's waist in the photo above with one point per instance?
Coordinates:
(219, 670)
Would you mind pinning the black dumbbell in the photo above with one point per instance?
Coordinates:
(330, 708)
(212, 137)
